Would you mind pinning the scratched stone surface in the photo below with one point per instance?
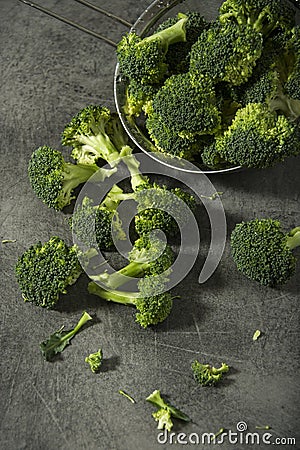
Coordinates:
(48, 72)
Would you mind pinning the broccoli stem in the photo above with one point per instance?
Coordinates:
(293, 239)
(82, 321)
(170, 35)
(289, 106)
(118, 297)
(76, 174)
(133, 166)
(100, 145)
(133, 270)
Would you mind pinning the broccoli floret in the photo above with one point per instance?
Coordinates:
(263, 16)
(169, 142)
(206, 375)
(263, 252)
(187, 105)
(226, 53)
(53, 180)
(258, 138)
(211, 158)
(165, 411)
(178, 55)
(58, 341)
(158, 207)
(138, 97)
(150, 310)
(95, 360)
(148, 257)
(267, 84)
(93, 224)
(45, 271)
(144, 59)
(95, 133)
(292, 85)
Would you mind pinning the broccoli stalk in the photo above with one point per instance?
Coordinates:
(58, 341)
(54, 180)
(95, 133)
(293, 238)
(263, 252)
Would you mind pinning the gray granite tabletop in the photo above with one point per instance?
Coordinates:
(49, 71)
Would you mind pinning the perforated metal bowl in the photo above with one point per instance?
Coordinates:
(156, 13)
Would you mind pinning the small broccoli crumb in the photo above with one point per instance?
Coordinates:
(207, 375)
(95, 360)
(131, 399)
(256, 335)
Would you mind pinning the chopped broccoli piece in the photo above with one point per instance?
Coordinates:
(178, 55)
(263, 252)
(95, 360)
(148, 257)
(165, 411)
(263, 16)
(53, 180)
(150, 310)
(169, 142)
(138, 97)
(58, 341)
(144, 59)
(187, 105)
(226, 53)
(292, 85)
(257, 138)
(95, 133)
(207, 375)
(93, 224)
(45, 271)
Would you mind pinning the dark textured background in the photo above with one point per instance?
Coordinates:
(48, 72)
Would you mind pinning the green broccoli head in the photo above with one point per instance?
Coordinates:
(226, 53)
(144, 59)
(158, 207)
(258, 138)
(187, 105)
(206, 375)
(262, 16)
(95, 134)
(44, 271)
(168, 141)
(53, 180)
(292, 85)
(139, 97)
(178, 55)
(154, 309)
(263, 252)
